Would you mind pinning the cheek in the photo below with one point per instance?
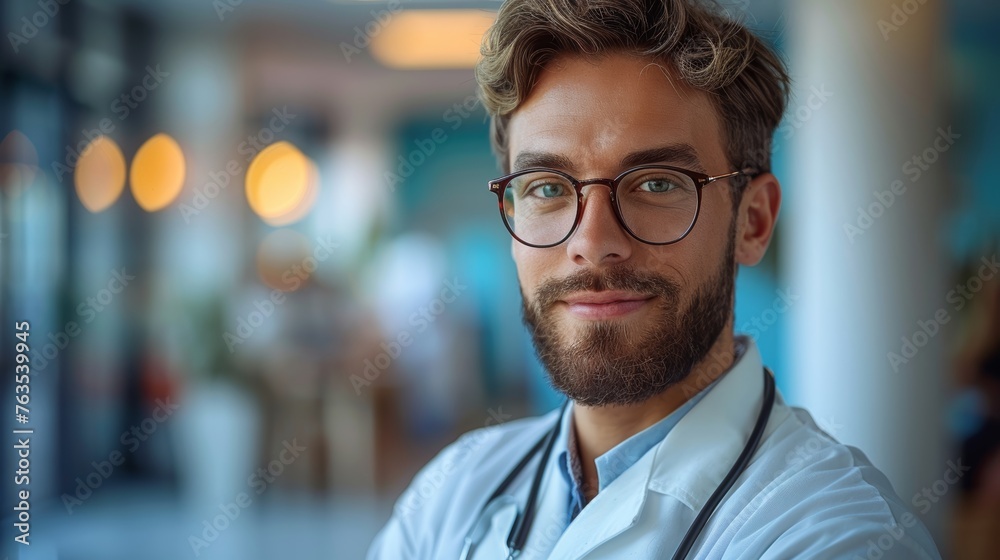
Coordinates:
(525, 265)
(532, 265)
(716, 211)
(695, 259)
(711, 234)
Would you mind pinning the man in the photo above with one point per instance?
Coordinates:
(627, 282)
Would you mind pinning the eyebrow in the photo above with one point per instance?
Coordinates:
(676, 154)
(680, 154)
(526, 160)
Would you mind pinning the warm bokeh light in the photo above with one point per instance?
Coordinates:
(100, 174)
(157, 173)
(278, 183)
(18, 162)
(424, 39)
(282, 260)
(305, 203)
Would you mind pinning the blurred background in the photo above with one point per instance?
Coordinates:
(265, 283)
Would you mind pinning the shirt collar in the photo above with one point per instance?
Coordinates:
(617, 460)
(712, 435)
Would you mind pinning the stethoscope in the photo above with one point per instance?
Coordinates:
(522, 521)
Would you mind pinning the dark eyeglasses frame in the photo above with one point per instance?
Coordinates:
(498, 186)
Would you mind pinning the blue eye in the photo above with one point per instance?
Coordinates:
(551, 190)
(547, 189)
(658, 185)
(542, 186)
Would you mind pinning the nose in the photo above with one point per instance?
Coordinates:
(599, 240)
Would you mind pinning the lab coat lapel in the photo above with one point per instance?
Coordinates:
(695, 456)
(610, 513)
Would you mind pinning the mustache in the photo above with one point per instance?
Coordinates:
(619, 278)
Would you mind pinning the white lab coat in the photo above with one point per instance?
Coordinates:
(804, 495)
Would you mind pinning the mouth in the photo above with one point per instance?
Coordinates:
(599, 306)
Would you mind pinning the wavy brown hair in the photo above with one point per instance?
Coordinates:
(746, 81)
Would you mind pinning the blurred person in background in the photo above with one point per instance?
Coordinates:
(977, 518)
(636, 141)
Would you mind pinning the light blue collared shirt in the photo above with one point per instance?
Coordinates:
(622, 456)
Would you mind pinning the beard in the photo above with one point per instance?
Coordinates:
(611, 363)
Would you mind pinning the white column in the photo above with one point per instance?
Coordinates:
(868, 100)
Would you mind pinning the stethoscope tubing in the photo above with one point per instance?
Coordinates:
(753, 442)
(522, 523)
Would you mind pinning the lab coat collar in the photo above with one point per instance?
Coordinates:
(687, 465)
(694, 458)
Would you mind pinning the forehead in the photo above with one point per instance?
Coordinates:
(593, 113)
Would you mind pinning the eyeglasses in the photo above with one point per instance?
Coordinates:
(656, 204)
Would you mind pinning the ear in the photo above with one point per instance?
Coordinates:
(756, 219)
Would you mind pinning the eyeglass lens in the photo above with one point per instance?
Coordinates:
(657, 205)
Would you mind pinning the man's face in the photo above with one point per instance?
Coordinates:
(616, 321)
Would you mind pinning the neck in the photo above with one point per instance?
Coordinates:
(601, 428)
